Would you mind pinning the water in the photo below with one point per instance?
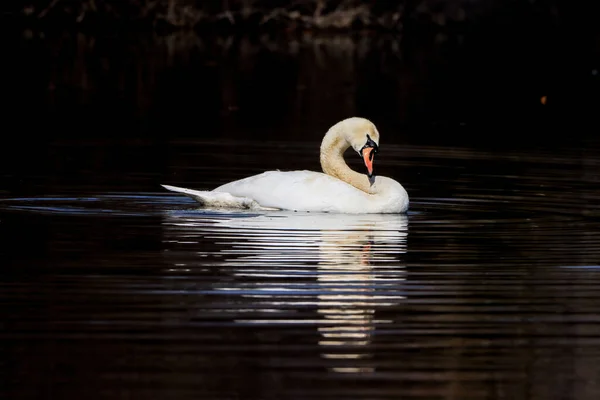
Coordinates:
(114, 288)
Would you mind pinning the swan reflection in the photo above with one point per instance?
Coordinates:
(344, 266)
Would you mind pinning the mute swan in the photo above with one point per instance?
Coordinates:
(338, 190)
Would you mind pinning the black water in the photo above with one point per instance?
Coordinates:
(114, 288)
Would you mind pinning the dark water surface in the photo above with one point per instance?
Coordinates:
(114, 288)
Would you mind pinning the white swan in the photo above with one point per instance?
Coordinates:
(338, 190)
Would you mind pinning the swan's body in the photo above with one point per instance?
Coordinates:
(338, 190)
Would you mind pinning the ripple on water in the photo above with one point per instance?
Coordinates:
(475, 291)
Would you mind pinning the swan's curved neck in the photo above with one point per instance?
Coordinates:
(332, 160)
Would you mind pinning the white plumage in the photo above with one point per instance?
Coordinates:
(339, 190)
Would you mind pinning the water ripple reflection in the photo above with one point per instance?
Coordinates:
(285, 265)
(488, 288)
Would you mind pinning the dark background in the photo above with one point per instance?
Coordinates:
(443, 65)
(121, 81)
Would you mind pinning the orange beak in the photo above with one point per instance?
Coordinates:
(368, 156)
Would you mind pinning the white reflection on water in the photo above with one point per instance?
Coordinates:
(344, 266)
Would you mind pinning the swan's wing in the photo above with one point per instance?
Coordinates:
(299, 190)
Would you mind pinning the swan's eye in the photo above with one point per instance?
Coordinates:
(371, 143)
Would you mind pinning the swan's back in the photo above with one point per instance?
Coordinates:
(299, 191)
(318, 192)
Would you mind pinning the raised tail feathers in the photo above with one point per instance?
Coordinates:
(212, 199)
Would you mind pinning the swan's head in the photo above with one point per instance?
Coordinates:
(364, 139)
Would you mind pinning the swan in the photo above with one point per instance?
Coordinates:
(338, 189)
